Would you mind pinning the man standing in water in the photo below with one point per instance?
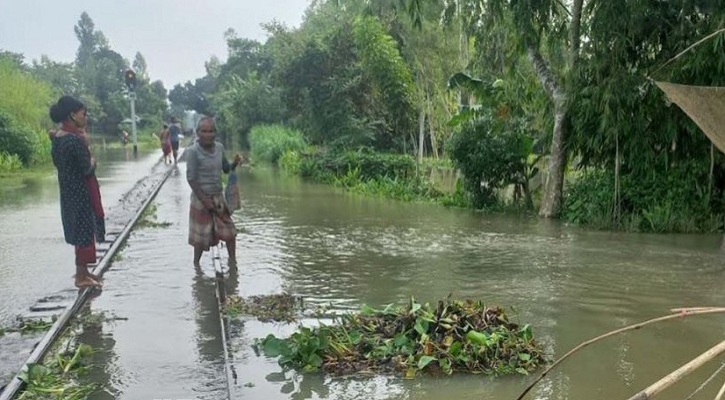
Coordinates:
(174, 132)
(209, 218)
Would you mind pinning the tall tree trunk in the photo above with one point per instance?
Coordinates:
(421, 133)
(557, 159)
(431, 129)
(553, 191)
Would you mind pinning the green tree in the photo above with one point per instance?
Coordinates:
(140, 67)
(62, 76)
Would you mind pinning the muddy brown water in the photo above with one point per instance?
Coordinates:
(344, 250)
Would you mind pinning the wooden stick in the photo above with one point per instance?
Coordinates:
(690, 309)
(680, 54)
(721, 393)
(707, 382)
(696, 311)
(680, 373)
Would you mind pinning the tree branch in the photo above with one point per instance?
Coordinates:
(685, 312)
(543, 72)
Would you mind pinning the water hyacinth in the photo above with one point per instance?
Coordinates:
(266, 308)
(452, 336)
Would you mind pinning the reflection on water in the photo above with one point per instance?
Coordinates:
(169, 346)
(569, 283)
(334, 248)
(35, 261)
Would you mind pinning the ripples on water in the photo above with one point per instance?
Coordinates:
(570, 284)
(333, 248)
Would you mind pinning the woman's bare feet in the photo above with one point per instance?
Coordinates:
(89, 280)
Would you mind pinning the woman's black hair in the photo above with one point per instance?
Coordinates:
(62, 110)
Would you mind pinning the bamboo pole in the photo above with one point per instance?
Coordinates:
(682, 312)
(721, 393)
(680, 373)
(707, 382)
(680, 54)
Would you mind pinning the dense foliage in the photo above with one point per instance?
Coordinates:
(95, 77)
(517, 94)
(24, 103)
(270, 142)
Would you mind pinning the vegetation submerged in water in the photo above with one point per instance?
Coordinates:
(29, 325)
(452, 336)
(149, 218)
(61, 375)
(268, 308)
(58, 377)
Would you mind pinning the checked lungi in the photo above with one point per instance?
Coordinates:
(206, 229)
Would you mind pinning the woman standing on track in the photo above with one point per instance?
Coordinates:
(80, 198)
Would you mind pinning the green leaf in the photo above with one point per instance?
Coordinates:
(355, 337)
(455, 348)
(315, 361)
(273, 347)
(401, 340)
(424, 361)
(477, 338)
(522, 371)
(421, 326)
(446, 366)
(367, 310)
(526, 333)
(524, 356)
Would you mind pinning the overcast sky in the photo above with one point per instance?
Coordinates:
(175, 36)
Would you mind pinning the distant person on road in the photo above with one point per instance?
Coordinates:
(165, 139)
(81, 209)
(209, 217)
(174, 132)
(124, 138)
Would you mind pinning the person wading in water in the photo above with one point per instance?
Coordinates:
(174, 133)
(81, 209)
(209, 218)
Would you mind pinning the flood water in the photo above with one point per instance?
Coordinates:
(335, 248)
(35, 261)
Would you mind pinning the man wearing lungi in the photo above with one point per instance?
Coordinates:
(209, 218)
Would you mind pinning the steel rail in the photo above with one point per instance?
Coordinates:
(12, 388)
(221, 295)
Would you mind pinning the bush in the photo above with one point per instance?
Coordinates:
(669, 200)
(10, 163)
(270, 142)
(24, 97)
(367, 163)
(24, 102)
(491, 155)
(588, 199)
(291, 162)
(17, 139)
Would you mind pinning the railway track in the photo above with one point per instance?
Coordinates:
(105, 252)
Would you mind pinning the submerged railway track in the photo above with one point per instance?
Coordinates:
(133, 204)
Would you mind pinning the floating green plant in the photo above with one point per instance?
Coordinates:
(29, 325)
(268, 308)
(149, 217)
(452, 336)
(58, 377)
